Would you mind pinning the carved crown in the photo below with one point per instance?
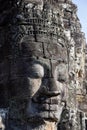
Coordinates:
(38, 29)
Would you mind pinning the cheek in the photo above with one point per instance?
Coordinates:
(61, 87)
(33, 85)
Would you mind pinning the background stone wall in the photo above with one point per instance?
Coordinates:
(59, 19)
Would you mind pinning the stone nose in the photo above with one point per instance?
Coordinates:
(50, 87)
(52, 84)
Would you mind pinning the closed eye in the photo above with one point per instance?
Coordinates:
(35, 71)
(61, 78)
(61, 73)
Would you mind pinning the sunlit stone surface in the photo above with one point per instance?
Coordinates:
(42, 66)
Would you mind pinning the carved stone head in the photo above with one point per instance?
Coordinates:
(38, 69)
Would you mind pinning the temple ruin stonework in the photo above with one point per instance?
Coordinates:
(43, 65)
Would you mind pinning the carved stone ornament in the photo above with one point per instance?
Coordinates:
(33, 64)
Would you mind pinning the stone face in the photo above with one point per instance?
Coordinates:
(42, 65)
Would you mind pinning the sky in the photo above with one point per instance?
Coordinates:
(82, 14)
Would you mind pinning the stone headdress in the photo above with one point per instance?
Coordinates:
(36, 29)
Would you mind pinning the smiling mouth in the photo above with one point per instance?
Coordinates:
(40, 120)
(47, 104)
(48, 107)
(46, 110)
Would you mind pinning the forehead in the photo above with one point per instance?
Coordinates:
(45, 48)
(43, 62)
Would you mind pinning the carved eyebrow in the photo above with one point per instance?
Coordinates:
(42, 63)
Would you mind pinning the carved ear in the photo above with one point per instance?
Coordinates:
(64, 122)
(65, 93)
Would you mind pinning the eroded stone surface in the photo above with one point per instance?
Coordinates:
(42, 64)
